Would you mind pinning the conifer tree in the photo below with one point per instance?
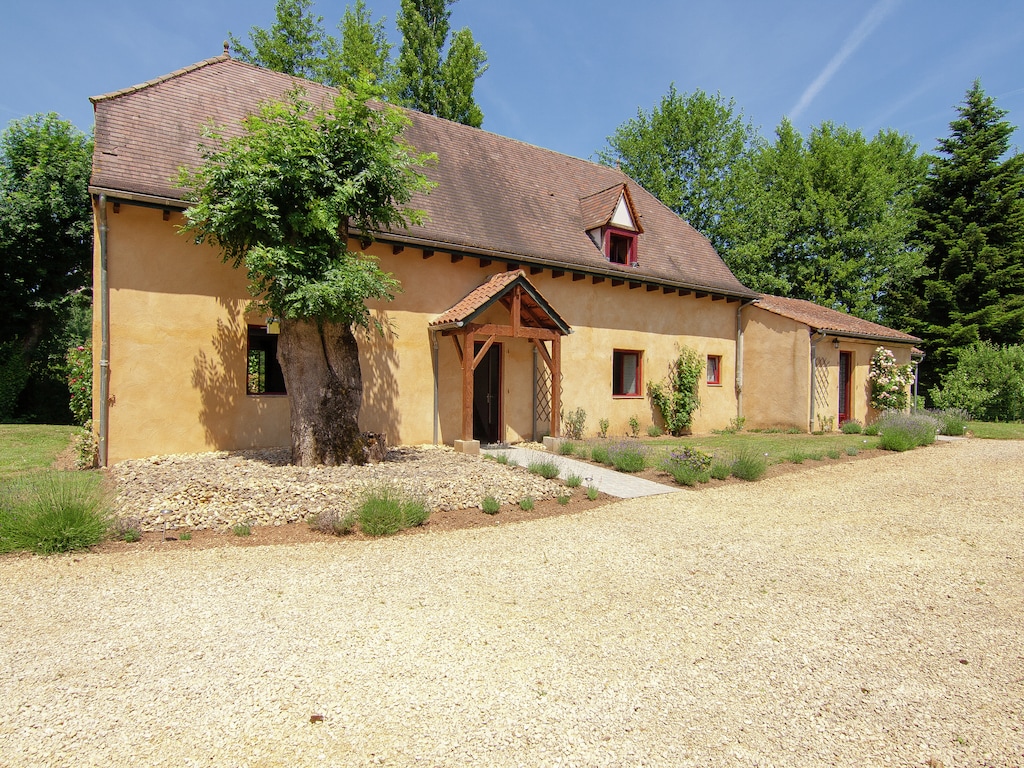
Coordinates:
(971, 225)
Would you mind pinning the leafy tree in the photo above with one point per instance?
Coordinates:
(972, 229)
(46, 258)
(827, 219)
(281, 201)
(687, 153)
(428, 79)
(987, 382)
(296, 44)
(365, 50)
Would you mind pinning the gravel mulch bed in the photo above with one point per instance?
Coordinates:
(864, 613)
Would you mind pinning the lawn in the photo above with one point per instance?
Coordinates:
(1013, 430)
(28, 448)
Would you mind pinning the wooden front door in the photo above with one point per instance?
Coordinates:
(487, 395)
(845, 385)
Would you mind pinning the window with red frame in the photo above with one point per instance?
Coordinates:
(620, 246)
(627, 375)
(714, 369)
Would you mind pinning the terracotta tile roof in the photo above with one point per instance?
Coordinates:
(598, 209)
(820, 318)
(535, 308)
(495, 196)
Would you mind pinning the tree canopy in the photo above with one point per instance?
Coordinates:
(281, 200)
(971, 229)
(45, 257)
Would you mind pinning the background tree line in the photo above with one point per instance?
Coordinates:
(932, 244)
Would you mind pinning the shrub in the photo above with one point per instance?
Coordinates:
(574, 481)
(903, 431)
(602, 426)
(546, 469)
(987, 382)
(331, 521)
(654, 431)
(678, 397)
(563, 499)
(720, 470)
(688, 466)
(634, 427)
(567, 448)
(53, 512)
(852, 450)
(526, 503)
(79, 374)
(890, 383)
(851, 427)
(748, 464)
(871, 430)
(628, 456)
(241, 529)
(490, 505)
(384, 510)
(575, 423)
(592, 492)
(952, 421)
(599, 453)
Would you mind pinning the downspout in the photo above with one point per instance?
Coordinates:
(814, 344)
(917, 376)
(433, 361)
(739, 359)
(104, 425)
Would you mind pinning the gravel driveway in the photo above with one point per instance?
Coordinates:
(859, 614)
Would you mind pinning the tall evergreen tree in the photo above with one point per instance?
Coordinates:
(430, 80)
(971, 211)
(365, 50)
(295, 44)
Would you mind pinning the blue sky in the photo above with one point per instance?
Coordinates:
(565, 73)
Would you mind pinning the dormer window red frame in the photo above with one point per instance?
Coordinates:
(620, 246)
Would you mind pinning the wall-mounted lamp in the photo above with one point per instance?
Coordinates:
(835, 343)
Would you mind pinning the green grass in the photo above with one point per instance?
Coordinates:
(749, 464)
(1013, 430)
(31, 447)
(48, 512)
(779, 446)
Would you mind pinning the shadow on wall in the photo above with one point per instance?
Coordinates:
(379, 361)
(230, 419)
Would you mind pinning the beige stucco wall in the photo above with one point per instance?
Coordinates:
(178, 338)
(777, 374)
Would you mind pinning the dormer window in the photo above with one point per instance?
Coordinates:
(620, 246)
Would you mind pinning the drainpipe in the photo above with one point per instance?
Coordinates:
(739, 359)
(433, 361)
(917, 376)
(814, 343)
(104, 425)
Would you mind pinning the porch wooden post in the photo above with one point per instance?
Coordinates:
(467, 387)
(556, 386)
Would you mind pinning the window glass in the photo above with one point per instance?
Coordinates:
(714, 369)
(626, 373)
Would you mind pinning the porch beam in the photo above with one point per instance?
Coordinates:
(467, 388)
(556, 386)
(483, 351)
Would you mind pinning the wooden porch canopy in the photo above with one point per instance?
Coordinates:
(530, 317)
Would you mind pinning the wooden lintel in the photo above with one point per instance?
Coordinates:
(427, 253)
(536, 270)
(397, 249)
(577, 276)
(616, 282)
(525, 332)
(556, 273)
(596, 279)
(456, 258)
(633, 285)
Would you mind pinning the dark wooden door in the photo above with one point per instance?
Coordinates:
(487, 395)
(845, 385)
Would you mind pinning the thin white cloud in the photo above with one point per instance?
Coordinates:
(874, 17)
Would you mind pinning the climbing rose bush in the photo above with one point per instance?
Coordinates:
(889, 381)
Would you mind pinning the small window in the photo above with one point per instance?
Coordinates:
(627, 375)
(620, 246)
(714, 369)
(263, 372)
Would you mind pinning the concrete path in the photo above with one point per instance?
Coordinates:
(619, 484)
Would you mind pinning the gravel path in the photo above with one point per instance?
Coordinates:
(858, 614)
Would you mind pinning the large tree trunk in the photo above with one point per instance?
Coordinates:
(321, 372)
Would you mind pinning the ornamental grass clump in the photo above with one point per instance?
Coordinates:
(628, 456)
(384, 510)
(748, 464)
(952, 421)
(546, 469)
(490, 505)
(688, 466)
(904, 431)
(53, 512)
(599, 454)
(851, 427)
